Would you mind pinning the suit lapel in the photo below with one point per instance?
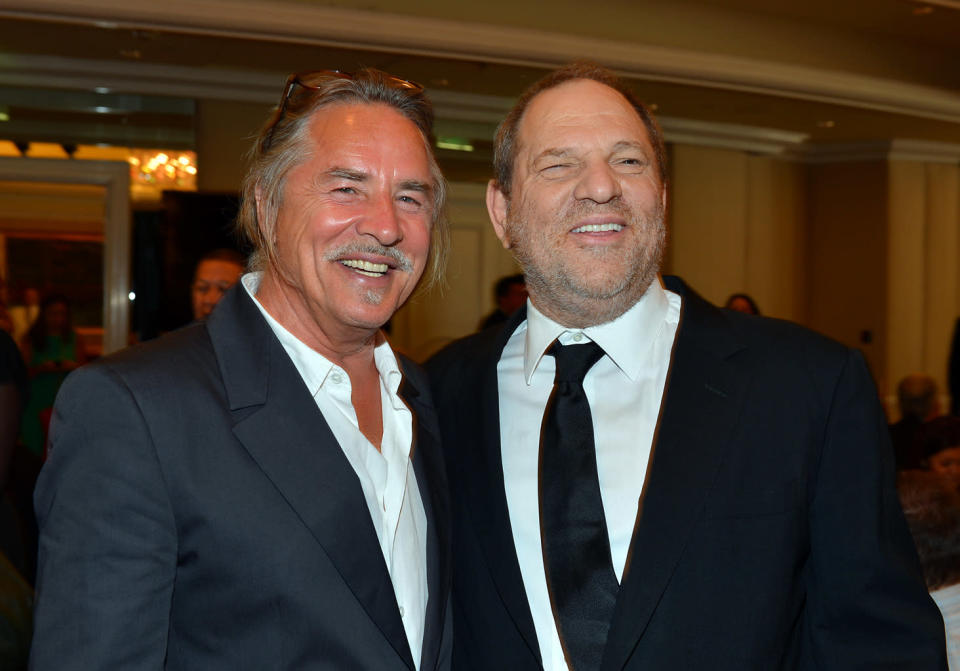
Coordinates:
(484, 476)
(280, 426)
(701, 403)
(432, 483)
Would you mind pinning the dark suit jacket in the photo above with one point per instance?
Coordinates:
(197, 513)
(769, 535)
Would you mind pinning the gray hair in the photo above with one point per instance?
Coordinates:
(282, 143)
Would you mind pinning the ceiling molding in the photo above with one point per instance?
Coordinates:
(887, 150)
(141, 78)
(751, 139)
(312, 24)
(468, 113)
(921, 150)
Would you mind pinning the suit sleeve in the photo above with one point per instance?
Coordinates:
(108, 546)
(868, 605)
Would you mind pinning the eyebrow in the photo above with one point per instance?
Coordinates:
(346, 173)
(562, 152)
(557, 152)
(358, 176)
(415, 185)
(630, 144)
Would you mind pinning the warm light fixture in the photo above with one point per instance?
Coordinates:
(163, 169)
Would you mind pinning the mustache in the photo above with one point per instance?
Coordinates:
(584, 208)
(401, 260)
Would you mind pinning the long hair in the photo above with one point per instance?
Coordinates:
(282, 144)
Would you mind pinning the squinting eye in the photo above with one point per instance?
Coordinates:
(410, 200)
(345, 189)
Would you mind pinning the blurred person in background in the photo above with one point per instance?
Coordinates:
(24, 314)
(16, 596)
(6, 321)
(215, 273)
(510, 293)
(931, 504)
(918, 403)
(938, 443)
(742, 303)
(51, 349)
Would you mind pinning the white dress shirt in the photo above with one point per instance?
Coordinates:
(625, 390)
(948, 601)
(386, 476)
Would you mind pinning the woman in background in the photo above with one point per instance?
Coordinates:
(51, 349)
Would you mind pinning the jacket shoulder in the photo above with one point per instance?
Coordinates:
(464, 357)
(179, 360)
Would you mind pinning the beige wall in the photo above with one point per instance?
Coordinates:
(477, 259)
(225, 132)
(776, 236)
(709, 219)
(924, 294)
(846, 263)
(41, 208)
(737, 223)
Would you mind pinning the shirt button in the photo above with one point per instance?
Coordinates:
(577, 337)
(401, 611)
(337, 378)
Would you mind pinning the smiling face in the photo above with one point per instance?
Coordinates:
(353, 232)
(585, 215)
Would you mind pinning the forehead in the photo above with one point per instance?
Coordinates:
(371, 131)
(580, 111)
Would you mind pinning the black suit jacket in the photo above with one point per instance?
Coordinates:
(197, 513)
(769, 534)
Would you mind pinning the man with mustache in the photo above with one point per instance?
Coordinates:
(264, 489)
(642, 480)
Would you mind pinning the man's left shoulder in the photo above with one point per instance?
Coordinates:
(774, 353)
(781, 337)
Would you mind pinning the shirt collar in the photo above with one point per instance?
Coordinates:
(315, 368)
(627, 340)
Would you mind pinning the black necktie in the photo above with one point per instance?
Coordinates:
(576, 549)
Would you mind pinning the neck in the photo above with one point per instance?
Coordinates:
(578, 312)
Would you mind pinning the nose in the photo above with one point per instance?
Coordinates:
(382, 222)
(598, 182)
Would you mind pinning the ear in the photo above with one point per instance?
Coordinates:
(497, 209)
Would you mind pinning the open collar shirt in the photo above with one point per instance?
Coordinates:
(386, 476)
